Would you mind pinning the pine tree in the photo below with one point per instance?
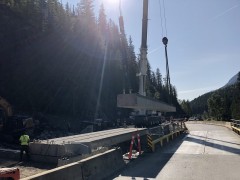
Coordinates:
(133, 68)
(86, 12)
(159, 79)
(102, 21)
(216, 106)
(235, 106)
(186, 107)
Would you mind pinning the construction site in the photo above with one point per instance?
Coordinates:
(90, 149)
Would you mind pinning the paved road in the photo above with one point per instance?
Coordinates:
(208, 152)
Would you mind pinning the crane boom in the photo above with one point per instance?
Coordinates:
(140, 102)
(143, 51)
(144, 24)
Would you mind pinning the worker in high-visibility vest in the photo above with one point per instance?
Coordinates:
(24, 141)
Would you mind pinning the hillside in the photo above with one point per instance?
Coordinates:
(55, 62)
(55, 69)
(232, 81)
(199, 105)
(227, 98)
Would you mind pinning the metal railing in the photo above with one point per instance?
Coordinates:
(164, 132)
(235, 124)
(166, 128)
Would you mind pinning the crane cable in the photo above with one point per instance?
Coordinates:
(160, 13)
(165, 17)
(165, 41)
(161, 18)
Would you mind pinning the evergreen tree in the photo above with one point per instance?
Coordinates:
(86, 12)
(55, 63)
(133, 68)
(159, 79)
(215, 105)
(186, 108)
(235, 106)
(102, 21)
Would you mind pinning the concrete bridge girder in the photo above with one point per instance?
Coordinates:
(76, 145)
(136, 101)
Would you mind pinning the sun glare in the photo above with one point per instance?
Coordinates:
(111, 2)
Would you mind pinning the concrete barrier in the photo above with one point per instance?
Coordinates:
(68, 160)
(101, 167)
(98, 167)
(71, 171)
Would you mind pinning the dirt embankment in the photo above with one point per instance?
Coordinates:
(26, 168)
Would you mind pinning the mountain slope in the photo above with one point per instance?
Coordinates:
(199, 105)
(232, 81)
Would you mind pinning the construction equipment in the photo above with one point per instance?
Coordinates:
(143, 51)
(5, 112)
(140, 102)
(11, 126)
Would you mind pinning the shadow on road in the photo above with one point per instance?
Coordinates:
(150, 164)
(213, 145)
(216, 139)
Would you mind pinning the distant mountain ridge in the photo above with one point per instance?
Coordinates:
(232, 81)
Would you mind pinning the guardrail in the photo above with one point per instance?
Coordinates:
(235, 124)
(164, 133)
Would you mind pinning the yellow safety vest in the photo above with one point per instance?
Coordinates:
(24, 139)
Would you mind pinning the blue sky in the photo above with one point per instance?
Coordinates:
(204, 39)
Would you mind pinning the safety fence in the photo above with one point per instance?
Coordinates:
(131, 145)
(164, 132)
(235, 124)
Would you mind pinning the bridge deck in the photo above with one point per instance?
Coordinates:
(207, 152)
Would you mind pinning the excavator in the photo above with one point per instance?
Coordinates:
(11, 126)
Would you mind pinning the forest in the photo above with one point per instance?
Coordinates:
(221, 104)
(67, 61)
